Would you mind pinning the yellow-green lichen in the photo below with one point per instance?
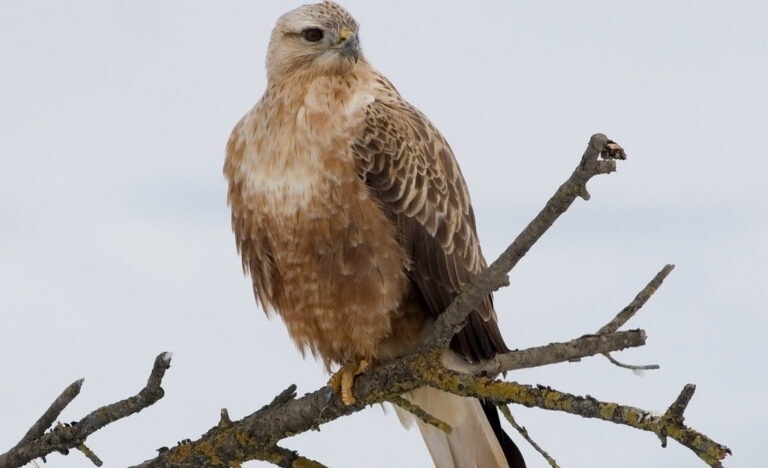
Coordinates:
(607, 410)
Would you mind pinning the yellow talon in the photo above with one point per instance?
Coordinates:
(342, 380)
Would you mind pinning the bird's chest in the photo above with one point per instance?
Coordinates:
(310, 205)
(299, 170)
(299, 161)
(329, 260)
(307, 211)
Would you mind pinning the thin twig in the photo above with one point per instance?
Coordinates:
(419, 412)
(632, 367)
(677, 408)
(630, 310)
(639, 301)
(587, 345)
(89, 454)
(291, 459)
(524, 432)
(285, 396)
(675, 411)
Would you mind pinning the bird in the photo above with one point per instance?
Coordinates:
(355, 225)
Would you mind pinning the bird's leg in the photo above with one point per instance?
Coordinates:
(341, 381)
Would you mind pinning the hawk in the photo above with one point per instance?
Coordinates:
(354, 223)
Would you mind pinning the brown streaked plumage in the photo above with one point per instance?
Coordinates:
(353, 219)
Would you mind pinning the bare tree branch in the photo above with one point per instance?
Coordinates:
(495, 276)
(89, 454)
(668, 425)
(638, 302)
(524, 432)
(630, 310)
(254, 437)
(587, 345)
(37, 443)
(671, 424)
(419, 412)
(50, 415)
(632, 367)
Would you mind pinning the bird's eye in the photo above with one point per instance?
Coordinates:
(312, 34)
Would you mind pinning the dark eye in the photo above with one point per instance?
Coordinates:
(312, 34)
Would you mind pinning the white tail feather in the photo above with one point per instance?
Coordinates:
(471, 444)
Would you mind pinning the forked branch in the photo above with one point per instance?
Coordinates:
(37, 443)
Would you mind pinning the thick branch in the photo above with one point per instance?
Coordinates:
(495, 276)
(36, 443)
(256, 435)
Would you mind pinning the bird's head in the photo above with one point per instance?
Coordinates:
(321, 37)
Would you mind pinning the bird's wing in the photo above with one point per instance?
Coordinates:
(411, 171)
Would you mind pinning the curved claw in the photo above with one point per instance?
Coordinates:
(342, 380)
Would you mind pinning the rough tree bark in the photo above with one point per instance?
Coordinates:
(256, 436)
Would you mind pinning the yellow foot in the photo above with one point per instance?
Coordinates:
(341, 381)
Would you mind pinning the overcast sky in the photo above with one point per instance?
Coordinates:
(115, 241)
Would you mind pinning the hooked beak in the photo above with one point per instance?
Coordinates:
(349, 44)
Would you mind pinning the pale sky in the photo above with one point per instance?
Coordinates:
(115, 242)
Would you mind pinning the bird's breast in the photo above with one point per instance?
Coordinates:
(336, 269)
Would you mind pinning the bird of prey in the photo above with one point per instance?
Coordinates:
(354, 222)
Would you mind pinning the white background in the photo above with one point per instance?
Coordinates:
(115, 241)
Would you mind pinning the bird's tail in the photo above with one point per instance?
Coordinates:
(477, 440)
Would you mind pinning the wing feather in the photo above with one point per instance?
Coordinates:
(411, 171)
